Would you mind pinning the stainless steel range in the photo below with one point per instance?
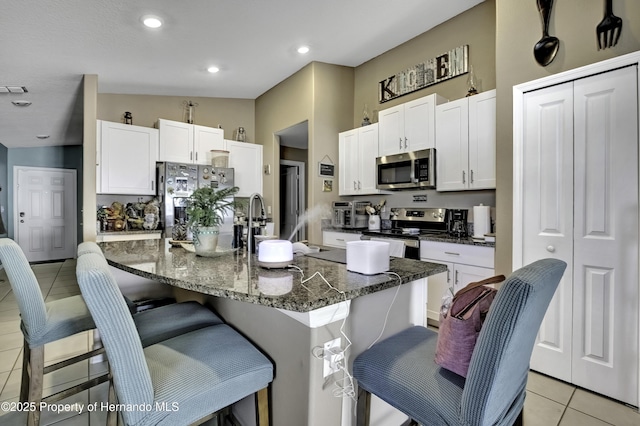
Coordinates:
(408, 224)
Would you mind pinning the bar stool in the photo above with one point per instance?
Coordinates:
(183, 380)
(401, 369)
(46, 322)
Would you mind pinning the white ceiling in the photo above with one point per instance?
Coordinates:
(48, 45)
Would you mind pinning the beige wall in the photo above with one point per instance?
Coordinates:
(321, 94)
(210, 112)
(476, 27)
(88, 181)
(517, 31)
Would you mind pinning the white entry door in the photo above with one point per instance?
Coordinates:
(45, 218)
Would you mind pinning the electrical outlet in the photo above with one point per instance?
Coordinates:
(332, 357)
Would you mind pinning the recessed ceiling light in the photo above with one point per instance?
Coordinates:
(151, 21)
(21, 103)
(42, 136)
(213, 70)
(303, 49)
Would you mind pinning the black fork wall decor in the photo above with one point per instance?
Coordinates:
(609, 29)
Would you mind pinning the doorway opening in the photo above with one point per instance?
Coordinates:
(294, 143)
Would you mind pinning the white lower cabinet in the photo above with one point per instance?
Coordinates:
(465, 264)
(338, 239)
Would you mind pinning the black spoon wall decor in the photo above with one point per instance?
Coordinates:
(546, 49)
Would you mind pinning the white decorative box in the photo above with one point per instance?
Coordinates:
(367, 257)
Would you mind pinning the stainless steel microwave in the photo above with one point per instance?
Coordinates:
(409, 170)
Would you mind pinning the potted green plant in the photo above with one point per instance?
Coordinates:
(206, 209)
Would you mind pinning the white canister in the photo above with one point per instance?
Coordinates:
(374, 222)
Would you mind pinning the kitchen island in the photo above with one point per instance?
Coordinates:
(290, 314)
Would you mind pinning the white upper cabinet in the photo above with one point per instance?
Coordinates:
(188, 143)
(358, 149)
(408, 127)
(246, 159)
(126, 160)
(466, 143)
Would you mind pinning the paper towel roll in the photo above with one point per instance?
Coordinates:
(481, 221)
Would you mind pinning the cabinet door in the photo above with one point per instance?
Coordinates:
(452, 145)
(482, 140)
(348, 162)
(128, 159)
(437, 286)
(366, 159)
(246, 159)
(176, 141)
(391, 131)
(206, 139)
(465, 274)
(420, 123)
(547, 215)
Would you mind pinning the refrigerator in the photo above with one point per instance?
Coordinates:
(176, 182)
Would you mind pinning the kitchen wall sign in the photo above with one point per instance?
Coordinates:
(326, 168)
(432, 71)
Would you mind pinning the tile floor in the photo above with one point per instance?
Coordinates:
(549, 402)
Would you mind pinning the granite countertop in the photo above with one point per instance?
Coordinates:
(438, 238)
(237, 276)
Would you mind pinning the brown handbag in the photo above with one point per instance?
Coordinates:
(460, 325)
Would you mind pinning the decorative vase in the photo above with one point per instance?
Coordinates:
(374, 222)
(205, 240)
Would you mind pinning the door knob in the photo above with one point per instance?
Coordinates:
(21, 214)
(551, 249)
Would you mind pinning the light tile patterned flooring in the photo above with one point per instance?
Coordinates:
(549, 402)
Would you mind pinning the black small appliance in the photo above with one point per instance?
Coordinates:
(457, 225)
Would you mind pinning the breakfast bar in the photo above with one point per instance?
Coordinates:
(290, 314)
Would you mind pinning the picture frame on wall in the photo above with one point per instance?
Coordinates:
(326, 169)
(327, 185)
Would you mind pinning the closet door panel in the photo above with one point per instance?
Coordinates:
(605, 334)
(548, 214)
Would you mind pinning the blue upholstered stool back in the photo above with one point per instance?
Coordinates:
(118, 332)
(25, 286)
(500, 361)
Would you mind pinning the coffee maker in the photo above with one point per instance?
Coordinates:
(456, 220)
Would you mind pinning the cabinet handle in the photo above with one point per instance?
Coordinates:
(452, 253)
(196, 156)
(190, 155)
(448, 276)
(355, 185)
(551, 249)
(153, 186)
(471, 176)
(463, 177)
(359, 185)
(405, 143)
(400, 140)
(456, 276)
(339, 239)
